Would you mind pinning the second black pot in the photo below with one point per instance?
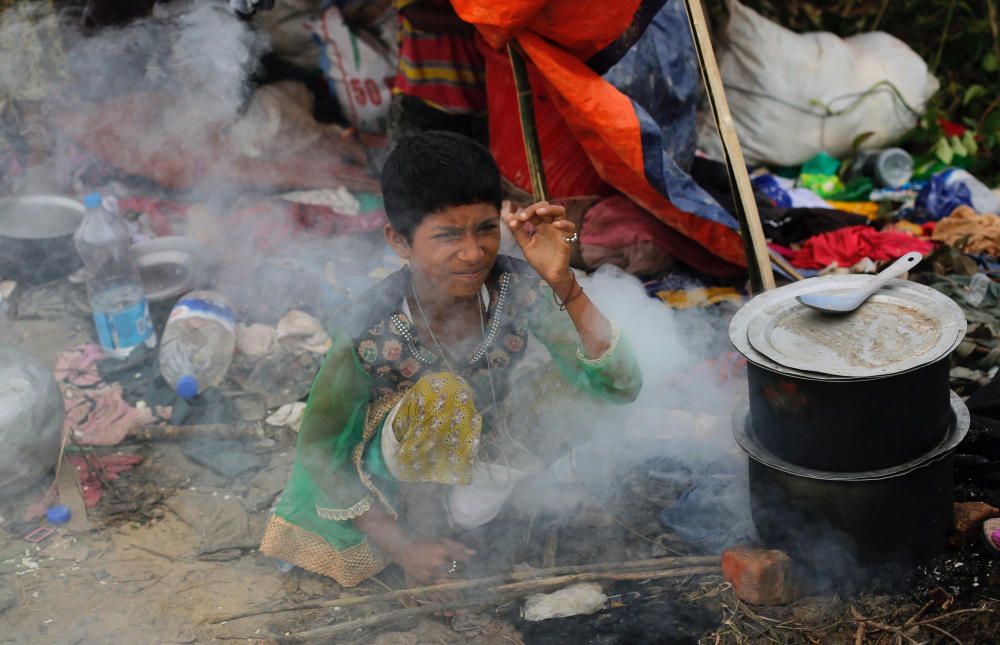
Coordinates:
(893, 515)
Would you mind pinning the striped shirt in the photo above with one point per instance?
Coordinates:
(444, 70)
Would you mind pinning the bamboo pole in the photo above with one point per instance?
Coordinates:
(754, 243)
(526, 111)
(785, 265)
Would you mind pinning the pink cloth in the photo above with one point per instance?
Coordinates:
(78, 366)
(848, 246)
(96, 412)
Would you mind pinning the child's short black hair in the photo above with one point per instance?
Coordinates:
(428, 172)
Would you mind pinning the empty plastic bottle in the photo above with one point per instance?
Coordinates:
(979, 286)
(117, 299)
(888, 168)
(198, 343)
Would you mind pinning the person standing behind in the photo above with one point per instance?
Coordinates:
(441, 78)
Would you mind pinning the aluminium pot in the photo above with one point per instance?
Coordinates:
(854, 392)
(36, 238)
(899, 515)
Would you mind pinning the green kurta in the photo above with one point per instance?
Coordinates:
(375, 358)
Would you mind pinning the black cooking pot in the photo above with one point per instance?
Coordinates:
(854, 392)
(36, 238)
(891, 515)
(850, 425)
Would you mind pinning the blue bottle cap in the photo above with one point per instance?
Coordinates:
(58, 514)
(93, 200)
(187, 387)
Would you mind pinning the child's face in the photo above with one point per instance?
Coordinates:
(452, 250)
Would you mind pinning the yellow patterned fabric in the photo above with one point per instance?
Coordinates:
(438, 430)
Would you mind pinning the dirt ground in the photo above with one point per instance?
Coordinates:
(169, 556)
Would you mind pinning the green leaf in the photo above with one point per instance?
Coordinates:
(969, 141)
(990, 62)
(860, 139)
(957, 147)
(943, 151)
(972, 93)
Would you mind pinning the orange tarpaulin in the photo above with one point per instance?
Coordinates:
(557, 38)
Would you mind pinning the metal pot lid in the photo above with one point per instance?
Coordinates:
(738, 327)
(902, 327)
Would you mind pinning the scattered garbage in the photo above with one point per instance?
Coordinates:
(198, 343)
(891, 167)
(288, 416)
(58, 514)
(171, 266)
(117, 298)
(211, 414)
(819, 175)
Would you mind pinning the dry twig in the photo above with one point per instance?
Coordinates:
(641, 569)
(946, 633)
(328, 634)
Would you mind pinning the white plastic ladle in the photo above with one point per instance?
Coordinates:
(842, 303)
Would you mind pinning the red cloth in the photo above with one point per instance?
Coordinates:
(617, 222)
(92, 470)
(848, 246)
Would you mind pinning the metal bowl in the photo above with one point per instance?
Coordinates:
(171, 266)
(36, 237)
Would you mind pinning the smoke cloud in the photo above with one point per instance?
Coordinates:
(200, 60)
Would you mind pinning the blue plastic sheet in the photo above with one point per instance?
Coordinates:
(660, 74)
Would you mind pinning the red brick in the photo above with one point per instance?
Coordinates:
(762, 576)
(969, 518)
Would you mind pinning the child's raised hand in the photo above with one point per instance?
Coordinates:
(545, 236)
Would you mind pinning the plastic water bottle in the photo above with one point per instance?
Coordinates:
(979, 286)
(117, 299)
(198, 343)
(889, 168)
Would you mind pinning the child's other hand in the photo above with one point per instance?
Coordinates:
(428, 561)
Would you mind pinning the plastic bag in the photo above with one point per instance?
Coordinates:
(360, 68)
(781, 84)
(31, 421)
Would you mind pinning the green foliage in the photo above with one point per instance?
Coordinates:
(959, 39)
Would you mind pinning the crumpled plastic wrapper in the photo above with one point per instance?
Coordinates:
(299, 329)
(289, 415)
(576, 600)
(256, 339)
